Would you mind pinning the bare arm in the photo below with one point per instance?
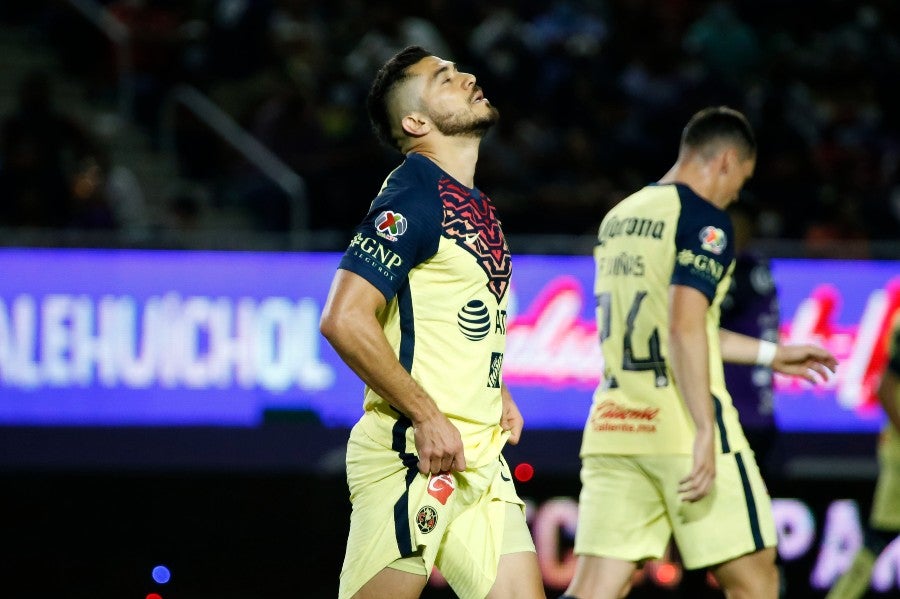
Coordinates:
(805, 360)
(349, 323)
(689, 355)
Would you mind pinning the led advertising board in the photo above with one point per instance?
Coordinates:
(178, 338)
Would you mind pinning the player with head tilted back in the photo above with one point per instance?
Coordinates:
(663, 453)
(418, 310)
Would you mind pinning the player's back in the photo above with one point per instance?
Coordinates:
(658, 236)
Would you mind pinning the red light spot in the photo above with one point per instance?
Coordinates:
(666, 573)
(524, 472)
(154, 596)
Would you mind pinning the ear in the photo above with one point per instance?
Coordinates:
(415, 125)
(728, 160)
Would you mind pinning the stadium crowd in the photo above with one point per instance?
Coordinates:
(587, 90)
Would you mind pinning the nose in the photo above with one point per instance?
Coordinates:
(468, 80)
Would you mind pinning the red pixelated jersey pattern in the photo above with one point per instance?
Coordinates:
(470, 221)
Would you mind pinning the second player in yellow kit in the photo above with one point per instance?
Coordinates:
(663, 453)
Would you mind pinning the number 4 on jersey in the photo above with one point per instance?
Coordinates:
(653, 362)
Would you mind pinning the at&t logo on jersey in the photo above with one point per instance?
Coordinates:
(390, 225)
(712, 239)
(474, 320)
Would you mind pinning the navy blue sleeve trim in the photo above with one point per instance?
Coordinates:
(401, 230)
(704, 246)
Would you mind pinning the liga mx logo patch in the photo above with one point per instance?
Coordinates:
(426, 519)
(390, 225)
(712, 239)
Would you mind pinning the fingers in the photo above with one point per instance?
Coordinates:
(515, 432)
(818, 372)
(459, 461)
(811, 370)
(695, 486)
(436, 464)
(809, 362)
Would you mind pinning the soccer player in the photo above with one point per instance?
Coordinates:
(884, 520)
(418, 310)
(663, 453)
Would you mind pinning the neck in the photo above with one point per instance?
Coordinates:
(698, 176)
(457, 156)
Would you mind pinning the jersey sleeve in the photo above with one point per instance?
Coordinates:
(401, 230)
(704, 249)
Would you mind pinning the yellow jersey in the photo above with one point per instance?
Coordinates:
(662, 235)
(435, 249)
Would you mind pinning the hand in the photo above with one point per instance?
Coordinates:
(697, 485)
(439, 445)
(807, 361)
(511, 420)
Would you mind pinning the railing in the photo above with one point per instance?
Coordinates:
(120, 38)
(211, 115)
(250, 148)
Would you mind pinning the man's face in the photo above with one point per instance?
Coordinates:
(455, 105)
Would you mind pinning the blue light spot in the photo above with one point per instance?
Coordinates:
(161, 574)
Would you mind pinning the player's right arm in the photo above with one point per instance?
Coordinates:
(349, 322)
(689, 358)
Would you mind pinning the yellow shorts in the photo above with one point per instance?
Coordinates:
(460, 522)
(886, 501)
(629, 509)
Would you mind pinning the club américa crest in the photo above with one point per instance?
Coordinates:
(426, 519)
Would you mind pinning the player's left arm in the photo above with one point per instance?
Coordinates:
(511, 420)
(806, 360)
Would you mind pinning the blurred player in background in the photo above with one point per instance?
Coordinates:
(418, 310)
(663, 452)
(750, 307)
(884, 520)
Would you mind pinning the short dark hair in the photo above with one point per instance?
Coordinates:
(389, 75)
(719, 123)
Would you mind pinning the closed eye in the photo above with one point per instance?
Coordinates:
(446, 71)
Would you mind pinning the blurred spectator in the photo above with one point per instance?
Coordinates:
(90, 208)
(155, 40)
(582, 92)
(42, 153)
(726, 45)
(389, 31)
